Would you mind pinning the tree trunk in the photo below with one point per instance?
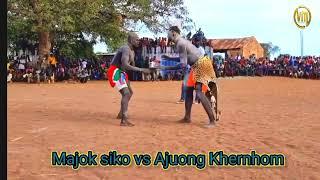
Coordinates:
(44, 44)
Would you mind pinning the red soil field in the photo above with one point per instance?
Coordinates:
(269, 115)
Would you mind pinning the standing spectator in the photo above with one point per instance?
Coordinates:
(22, 64)
(53, 66)
(149, 46)
(144, 45)
(162, 45)
(52, 61)
(158, 44)
(154, 46)
(152, 65)
(165, 44)
(172, 47)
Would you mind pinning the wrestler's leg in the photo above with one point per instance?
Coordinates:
(125, 93)
(205, 103)
(130, 95)
(188, 104)
(182, 97)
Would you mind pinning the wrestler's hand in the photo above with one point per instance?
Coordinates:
(162, 68)
(165, 57)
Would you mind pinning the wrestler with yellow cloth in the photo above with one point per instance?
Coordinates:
(202, 77)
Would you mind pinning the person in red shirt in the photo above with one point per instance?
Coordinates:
(162, 45)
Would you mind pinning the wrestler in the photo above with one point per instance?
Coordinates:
(201, 76)
(122, 62)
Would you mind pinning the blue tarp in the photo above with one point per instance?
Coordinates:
(165, 62)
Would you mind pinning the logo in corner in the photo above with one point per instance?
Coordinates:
(302, 17)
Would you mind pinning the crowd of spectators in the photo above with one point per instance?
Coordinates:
(285, 65)
(150, 45)
(53, 68)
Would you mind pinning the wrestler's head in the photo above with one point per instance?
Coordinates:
(133, 39)
(173, 33)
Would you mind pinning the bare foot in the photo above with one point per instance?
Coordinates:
(210, 125)
(184, 120)
(126, 123)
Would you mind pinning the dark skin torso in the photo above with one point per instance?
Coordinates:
(189, 54)
(124, 59)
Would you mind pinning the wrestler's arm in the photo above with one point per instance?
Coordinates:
(125, 61)
(168, 57)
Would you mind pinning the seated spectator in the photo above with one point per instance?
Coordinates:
(308, 70)
(300, 73)
(9, 76)
(83, 76)
(8, 66)
(96, 74)
(37, 75)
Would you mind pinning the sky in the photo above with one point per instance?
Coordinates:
(267, 20)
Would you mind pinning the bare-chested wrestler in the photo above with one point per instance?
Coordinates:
(122, 62)
(201, 77)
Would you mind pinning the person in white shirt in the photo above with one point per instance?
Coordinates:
(84, 64)
(9, 77)
(21, 65)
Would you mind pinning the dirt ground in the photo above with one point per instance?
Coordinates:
(269, 115)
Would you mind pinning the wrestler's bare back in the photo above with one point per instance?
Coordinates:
(124, 59)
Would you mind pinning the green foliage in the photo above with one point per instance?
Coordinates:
(110, 20)
(19, 34)
(76, 49)
(270, 49)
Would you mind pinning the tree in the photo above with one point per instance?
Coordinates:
(74, 46)
(275, 49)
(108, 19)
(270, 49)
